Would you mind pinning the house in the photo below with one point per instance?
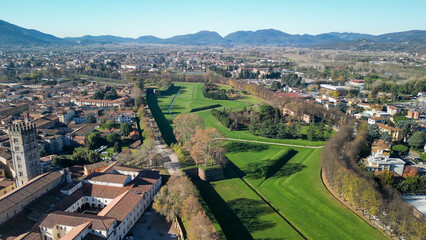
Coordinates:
(375, 120)
(46, 162)
(413, 115)
(377, 162)
(288, 111)
(381, 147)
(395, 133)
(350, 111)
(6, 185)
(95, 167)
(392, 110)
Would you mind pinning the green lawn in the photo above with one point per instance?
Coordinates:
(241, 213)
(290, 179)
(191, 97)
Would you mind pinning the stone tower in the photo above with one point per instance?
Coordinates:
(25, 152)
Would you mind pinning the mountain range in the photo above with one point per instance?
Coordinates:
(15, 36)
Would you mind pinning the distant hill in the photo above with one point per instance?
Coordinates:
(278, 38)
(409, 41)
(105, 39)
(12, 35)
(199, 38)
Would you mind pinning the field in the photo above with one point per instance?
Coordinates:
(289, 178)
(191, 97)
(241, 213)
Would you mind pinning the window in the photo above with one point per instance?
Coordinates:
(15, 140)
(17, 148)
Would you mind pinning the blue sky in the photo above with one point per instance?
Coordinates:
(166, 18)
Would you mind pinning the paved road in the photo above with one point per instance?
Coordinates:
(162, 148)
(279, 144)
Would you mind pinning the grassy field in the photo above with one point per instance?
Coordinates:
(290, 179)
(241, 213)
(191, 97)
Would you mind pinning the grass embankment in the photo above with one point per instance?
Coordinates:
(296, 190)
(241, 213)
(191, 97)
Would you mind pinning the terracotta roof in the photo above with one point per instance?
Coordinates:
(14, 197)
(107, 177)
(76, 231)
(75, 219)
(96, 165)
(382, 144)
(121, 206)
(389, 128)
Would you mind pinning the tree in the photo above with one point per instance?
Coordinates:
(275, 86)
(416, 140)
(56, 162)
(373, 131)
(113, 138)
(90, 118)
(254, 125)
(207, 147)
(111, 95)
(139, 101)
(94, 140)
(111, 125)
(341, 107)
(117, 147)
(386, 136)
(125, 129)
(185, 126)
(99, 94)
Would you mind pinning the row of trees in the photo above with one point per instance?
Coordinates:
(179, 198)
(79, 156)
(210, 91)
(274, 128)
(205, 146)
(108, 93)
(319, 132)
(340, 167)
(224, 118)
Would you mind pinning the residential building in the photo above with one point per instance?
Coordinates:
(377, 162)
(395, 133)
(95, 167)
(375, 120)
(392, 110)
(413, 115)
(6, 185)
(381, 147)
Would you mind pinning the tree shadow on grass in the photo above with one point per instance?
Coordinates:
(231, 224)
(249, 212)
(163, 124)
(245, 147)
(270, 167)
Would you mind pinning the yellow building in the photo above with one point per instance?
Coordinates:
(395, 133)
(6, 185)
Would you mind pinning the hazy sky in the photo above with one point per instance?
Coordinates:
(166, 18)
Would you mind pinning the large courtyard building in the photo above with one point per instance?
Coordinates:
(105, 205)
(25, 152)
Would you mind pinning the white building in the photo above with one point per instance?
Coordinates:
(104, 206)
(378, 162)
